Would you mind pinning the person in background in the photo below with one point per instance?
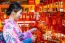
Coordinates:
(11, 30)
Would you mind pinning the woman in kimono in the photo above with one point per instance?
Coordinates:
(11, 30)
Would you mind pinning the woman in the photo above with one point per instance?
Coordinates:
(11, 30)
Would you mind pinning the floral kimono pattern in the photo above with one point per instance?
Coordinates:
(12, 32)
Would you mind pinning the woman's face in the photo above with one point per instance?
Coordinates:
(18, 14)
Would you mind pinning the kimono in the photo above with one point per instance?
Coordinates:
(13, 34)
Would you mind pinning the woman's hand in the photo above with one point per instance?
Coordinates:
(34, 38)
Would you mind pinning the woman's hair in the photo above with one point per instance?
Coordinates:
(13, 6)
